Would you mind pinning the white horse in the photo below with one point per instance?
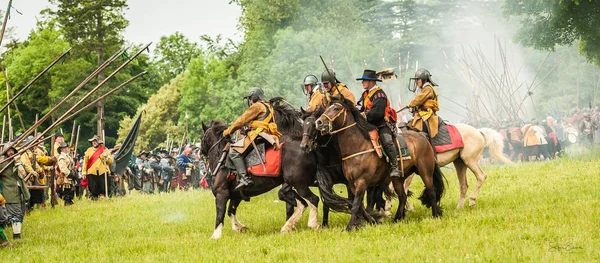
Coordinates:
(468, 157)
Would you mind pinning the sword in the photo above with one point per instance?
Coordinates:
(262, 162)
(222, 159)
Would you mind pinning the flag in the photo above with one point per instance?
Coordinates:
(123, 156)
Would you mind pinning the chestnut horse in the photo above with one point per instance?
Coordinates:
(363, 168)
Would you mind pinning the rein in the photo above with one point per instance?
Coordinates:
(344, 128)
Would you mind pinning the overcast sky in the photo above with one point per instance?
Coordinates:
(150, 19)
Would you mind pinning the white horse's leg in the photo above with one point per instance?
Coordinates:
(481, 176)
(218, 232)
(236, 225)
(313, 216)
(461, 173)
(407, 182)
(291, 223)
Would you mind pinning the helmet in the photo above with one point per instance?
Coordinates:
(327, 76)
(312, 81)
(422, 74)
(255, 94)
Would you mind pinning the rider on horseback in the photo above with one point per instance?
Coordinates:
(376, 106)
(323, 97)
(311, 84)
(425, 104)
(259, 117)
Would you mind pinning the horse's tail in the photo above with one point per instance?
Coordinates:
(495, 143)
(438, 185)
(330, 198)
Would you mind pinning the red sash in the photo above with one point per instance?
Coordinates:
(94, 157)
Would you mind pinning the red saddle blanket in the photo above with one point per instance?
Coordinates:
(456, 139)
(272, 164)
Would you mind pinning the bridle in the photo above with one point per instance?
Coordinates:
(331, 120)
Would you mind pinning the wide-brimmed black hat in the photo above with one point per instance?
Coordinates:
(369, 75)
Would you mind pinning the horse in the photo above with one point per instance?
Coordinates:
(330, 160)
(362, 167)
(468, 157)
(297, 170)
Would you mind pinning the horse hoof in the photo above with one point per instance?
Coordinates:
(286, 230)
(240, 229)
(351, 228)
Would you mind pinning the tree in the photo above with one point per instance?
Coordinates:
(160, 117)
(92, 27)
(549, 23)
(172, 55)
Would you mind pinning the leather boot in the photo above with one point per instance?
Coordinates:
(240, 165)
(390, 148)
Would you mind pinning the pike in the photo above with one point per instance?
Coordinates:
(54, 197)
(3, 127)
(93, 103)
(61, 119)
(39, 75)
(181, 144)
(80, 86)
(10, 94)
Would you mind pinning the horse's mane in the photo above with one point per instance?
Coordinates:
(318, 112)
(362, 123)
(287, 118)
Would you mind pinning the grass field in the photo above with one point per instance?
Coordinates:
(540, 212)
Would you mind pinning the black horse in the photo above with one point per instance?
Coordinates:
(298, 170)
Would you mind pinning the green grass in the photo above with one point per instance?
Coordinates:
(540, 212)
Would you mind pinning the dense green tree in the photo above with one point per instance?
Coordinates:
(549, 23)
(160, 117)
(92, 27)
(172, 55)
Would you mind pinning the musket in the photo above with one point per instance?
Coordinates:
(403, 108)
(3, 127)
(73, 134)
(76, 142)
(262, 162)
(35, 79)
(53, 198)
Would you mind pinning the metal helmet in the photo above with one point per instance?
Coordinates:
(328, 76)
(255, 94)
(422, 74)
(310, 80)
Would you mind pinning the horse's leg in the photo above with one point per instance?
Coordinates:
(387, 212)
(359, 189)
(461, 173)
(407, 183)
(221, 198)
(481, 176)
(399, 187)
(325, 215)
(286, 194)
(290, 224)
(231, 211)
(425, 168)
(313, 203)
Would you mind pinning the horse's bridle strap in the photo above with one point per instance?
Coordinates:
(341, 129)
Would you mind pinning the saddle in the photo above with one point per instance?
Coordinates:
(400, 144)
(254, 159)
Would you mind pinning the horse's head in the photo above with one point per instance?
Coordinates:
(331, 118)
(211, 140)
(309, 130)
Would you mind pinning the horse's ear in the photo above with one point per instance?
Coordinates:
(204, 127)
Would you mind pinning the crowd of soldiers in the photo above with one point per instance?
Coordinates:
(547, 138)
(26, 183)
(165, 171)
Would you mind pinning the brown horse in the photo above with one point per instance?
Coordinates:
(363, 168)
